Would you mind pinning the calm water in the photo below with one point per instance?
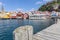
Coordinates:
(7, 26)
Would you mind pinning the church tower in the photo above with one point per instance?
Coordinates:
(2, 9)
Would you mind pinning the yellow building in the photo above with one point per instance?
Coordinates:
(7, 15)
(4, 14)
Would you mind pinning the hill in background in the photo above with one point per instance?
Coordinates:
(51, 6)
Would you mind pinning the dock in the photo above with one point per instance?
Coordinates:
(50, 33)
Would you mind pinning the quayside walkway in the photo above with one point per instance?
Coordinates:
(50, 33)
(26, 33)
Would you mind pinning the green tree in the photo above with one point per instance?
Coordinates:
(49, 6)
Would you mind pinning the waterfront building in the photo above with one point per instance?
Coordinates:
(30, 13)
(47, 14)
(4, 14)
(54, 14)
(26, 16)
(7, 15)
(37, 12)
(59, 14)
(38, 15)
(13, 15)
(20, 15)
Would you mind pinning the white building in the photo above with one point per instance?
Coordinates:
(37, 16)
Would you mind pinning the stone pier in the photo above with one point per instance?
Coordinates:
(26, 33)
(50, 33)
(23, 33)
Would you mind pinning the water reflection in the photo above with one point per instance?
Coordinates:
(7, 26)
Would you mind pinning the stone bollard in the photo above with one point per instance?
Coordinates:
(23, 33)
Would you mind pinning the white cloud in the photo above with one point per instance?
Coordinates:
(1, 3)
(20, 9)
(38, 2)
(32, 9)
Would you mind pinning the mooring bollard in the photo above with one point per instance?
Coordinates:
(23, 33)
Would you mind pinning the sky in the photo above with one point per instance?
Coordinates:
(22, 5)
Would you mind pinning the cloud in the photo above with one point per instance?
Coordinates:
(1, 3)
(32, 9)
(20, 9)
(38, 2)
(47, 0)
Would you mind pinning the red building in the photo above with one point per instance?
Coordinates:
(26, 16)
(13, 15)
(20, 15)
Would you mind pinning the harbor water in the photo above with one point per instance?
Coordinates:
(8, 26)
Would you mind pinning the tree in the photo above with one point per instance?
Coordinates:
(49, 6)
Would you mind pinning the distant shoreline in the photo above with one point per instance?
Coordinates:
(8, 18)
(20, 19)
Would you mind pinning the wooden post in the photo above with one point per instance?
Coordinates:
(23, 33)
